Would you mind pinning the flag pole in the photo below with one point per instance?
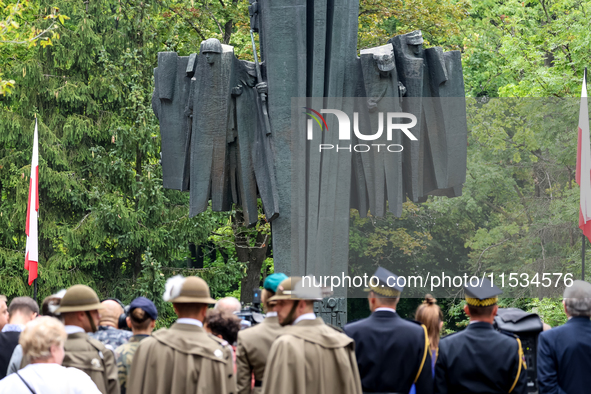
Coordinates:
(583, 236)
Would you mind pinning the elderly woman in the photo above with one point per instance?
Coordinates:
(43, 343)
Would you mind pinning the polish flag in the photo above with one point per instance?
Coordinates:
(32, 248)
(583, 175)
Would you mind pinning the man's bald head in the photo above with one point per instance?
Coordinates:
(110, 315)
(228, 304)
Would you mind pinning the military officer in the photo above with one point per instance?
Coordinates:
(79, 310)
(308, 357)
(480, 359)
(254, 343)
(184, 358)
(385, 342)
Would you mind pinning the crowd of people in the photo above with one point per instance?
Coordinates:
(77, 345)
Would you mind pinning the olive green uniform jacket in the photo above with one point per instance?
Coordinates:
(182, 359)
(252, 350)
(312, 358)
(92, 357)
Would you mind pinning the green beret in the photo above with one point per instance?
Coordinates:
(273, 280)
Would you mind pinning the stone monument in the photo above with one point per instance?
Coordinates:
(230, 133)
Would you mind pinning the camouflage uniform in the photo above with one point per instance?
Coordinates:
(124, 355)
(111, 337)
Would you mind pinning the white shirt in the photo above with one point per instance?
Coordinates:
(193, 322)
(74, 329)
(385, 309)
(271, 314)
(305, 316)
(49, 379)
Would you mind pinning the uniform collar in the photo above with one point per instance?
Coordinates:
(305, 316)
(383, 309)
(578, 320)
(193, 322)
(479, 325)
(74, 330)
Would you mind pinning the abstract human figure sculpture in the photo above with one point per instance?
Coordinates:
(247, 138)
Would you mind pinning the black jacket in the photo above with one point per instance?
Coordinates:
(389, 353)
(8, 341)
(481, 360)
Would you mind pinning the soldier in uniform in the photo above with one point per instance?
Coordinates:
(142, 319)
(385, 342)
(108, 330)
(308, 357)
(254, 343)
(480, 359)
(183, 358)
(79, 310)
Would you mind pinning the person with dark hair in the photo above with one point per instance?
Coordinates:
(48, 308)
(20, 311)
(3, 311)
(564, 353)
(255, 343)
(480, 359)
(223, 325)
(385, 342)
(183, 358)
(141, 319)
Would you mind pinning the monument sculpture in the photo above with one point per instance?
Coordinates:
(233, 131)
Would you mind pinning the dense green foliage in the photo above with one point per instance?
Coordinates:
(105, 219)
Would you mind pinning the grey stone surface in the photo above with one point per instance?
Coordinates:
(234, 133)
(169, 100)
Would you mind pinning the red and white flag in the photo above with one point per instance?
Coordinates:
(583, 175)
(32, 249)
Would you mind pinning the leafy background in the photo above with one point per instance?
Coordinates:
(106, 221)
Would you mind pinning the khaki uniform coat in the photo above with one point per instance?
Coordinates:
(312, 358)
(252, 350)
(182, 359)
(92, 357)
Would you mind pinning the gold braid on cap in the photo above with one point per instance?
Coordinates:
(385, 291)
(485, 302)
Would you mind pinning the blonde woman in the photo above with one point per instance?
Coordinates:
(43, 343)
(429, 314)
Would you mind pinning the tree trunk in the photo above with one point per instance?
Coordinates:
(254, 257)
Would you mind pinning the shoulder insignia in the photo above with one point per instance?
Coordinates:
(95, 363)
(218, 353)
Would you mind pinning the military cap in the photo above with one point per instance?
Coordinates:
(484, 293)
(293, 288)
(414, 38)
(187, 290)
(385, 62)
(79, 298)
(387, 285)
(273, 280)
(146, 305)
(212, 45)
